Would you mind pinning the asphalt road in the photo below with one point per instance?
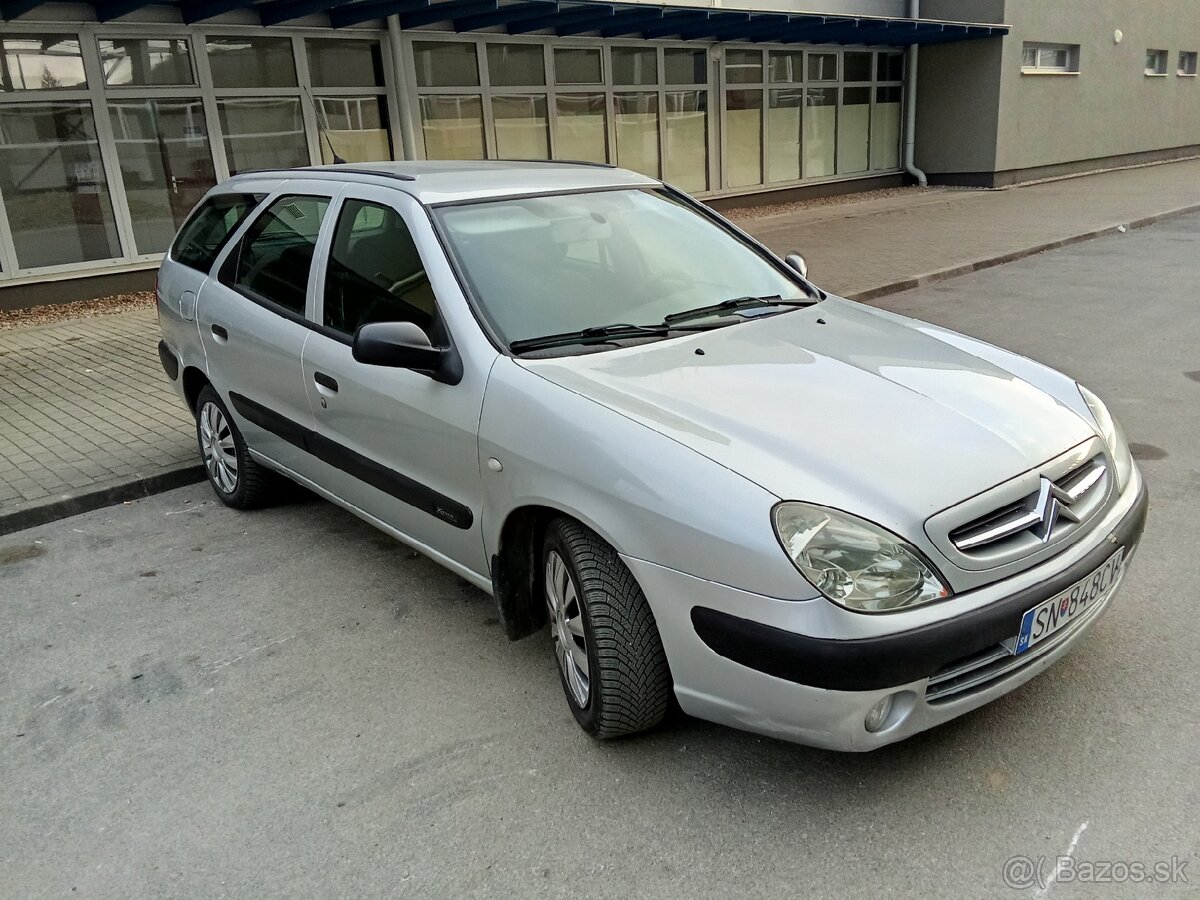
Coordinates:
(196, 702)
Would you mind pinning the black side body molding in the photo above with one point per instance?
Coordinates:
(361, 467)
(869, 664)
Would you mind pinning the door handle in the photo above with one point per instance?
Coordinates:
(325, 381)
(219, 332)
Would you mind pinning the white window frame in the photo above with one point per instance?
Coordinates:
(1187, 64)
(1159, 69)
(1071, 67)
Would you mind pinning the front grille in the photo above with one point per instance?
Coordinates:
(1056, 509)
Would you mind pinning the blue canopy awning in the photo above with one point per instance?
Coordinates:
(573, 17)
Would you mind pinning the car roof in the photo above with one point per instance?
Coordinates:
(448, 181)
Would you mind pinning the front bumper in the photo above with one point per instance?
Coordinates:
(730, 666)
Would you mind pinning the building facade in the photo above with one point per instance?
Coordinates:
(116, 116)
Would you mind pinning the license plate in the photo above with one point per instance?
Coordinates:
(1051, 615)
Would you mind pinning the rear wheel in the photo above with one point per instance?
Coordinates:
(610, 657)
(237, 480)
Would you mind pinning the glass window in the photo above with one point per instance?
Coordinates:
(146, 61)
(53, 184)
(635, 65)
(201, 239)
(445, 64)
(637, 132)
(685, 161)
(251, 62)
(743, 137)
(356, 127)
(607, 256)
(685, 66)
(375, 273)
(1187, 62)
(856, 66)
(514, 65)
(822, 67)
(885, 128)
(35, 62)
(263, 133)
(820, 132)
(787, 65)
(452, 125)
(274, 258)
(854, 131)
(579, 128)
(784, 116)
(578, 65)
(337, 63)
(743, 66)
(890, 67)
(1029, 57)
(166, 166)
(1050, 57)
(1156, 62)
(522, 127)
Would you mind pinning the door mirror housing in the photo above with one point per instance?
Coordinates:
(797, 262)
(405, 345)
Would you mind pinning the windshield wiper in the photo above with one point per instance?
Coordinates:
(725, 307)
(600, 334)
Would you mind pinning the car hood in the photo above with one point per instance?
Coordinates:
(841, 405)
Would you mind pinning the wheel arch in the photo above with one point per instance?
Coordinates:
(194, 381)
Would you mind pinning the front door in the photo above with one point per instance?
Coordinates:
(397, 444)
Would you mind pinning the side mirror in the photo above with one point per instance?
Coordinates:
(404, 345)
(797, 262)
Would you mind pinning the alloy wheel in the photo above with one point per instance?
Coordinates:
(218, 448)
(566, 628)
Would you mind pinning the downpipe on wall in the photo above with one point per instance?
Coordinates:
(910, 125)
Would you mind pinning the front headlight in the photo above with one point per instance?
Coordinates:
(1113, 436)
(853, 562)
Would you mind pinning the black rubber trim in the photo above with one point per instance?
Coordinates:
(880, 662)
(170, 363)
(353, 463)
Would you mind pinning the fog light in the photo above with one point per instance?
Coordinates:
(879, 713)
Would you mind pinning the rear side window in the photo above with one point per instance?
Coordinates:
(205, 233)
(375, 273)
(273, 260)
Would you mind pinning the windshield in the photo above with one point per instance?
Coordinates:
(561, 263)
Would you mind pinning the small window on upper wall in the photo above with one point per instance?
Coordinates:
(1187, 64)
(1050, 58)
(1156, 62)
(38, 62)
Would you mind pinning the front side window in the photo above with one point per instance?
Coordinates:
(375, 273)
(204, 234)
(624, 256)
(274, 258)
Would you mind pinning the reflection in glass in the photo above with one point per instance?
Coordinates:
(579, 129)
(685, 162)
(635, 65)
(743, 66)
(885, 128)
(515, 65)
(822, 67)
(685, 66)
(357, 127)
(787, 65)
(889, 67)
(522, 127)
(452, 125)
(820, 132)
(53, 184)
(577, 65)
(445, 63)
(149, 61)
(743, 138)
(166, 166)
(34, 62)
(637, 132)
(251, 62)
(263, 133)
(854, 131)
(334, 62)
(784, 108)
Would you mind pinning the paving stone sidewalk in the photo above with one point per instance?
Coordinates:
(87, 417)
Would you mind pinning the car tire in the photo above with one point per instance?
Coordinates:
(236, 479)
(598, 613)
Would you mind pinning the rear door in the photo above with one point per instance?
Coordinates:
(254, 319)
(396, 443)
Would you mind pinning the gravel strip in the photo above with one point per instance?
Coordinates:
(79, 309)
(746, 213)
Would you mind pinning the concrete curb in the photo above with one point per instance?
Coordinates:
(89, 499)
(908, 284)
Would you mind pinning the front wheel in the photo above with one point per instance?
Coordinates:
(610, 657)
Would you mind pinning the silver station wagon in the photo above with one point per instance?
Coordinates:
(605, 405)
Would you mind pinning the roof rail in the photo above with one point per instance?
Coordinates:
(354, 170)
(557, 162)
